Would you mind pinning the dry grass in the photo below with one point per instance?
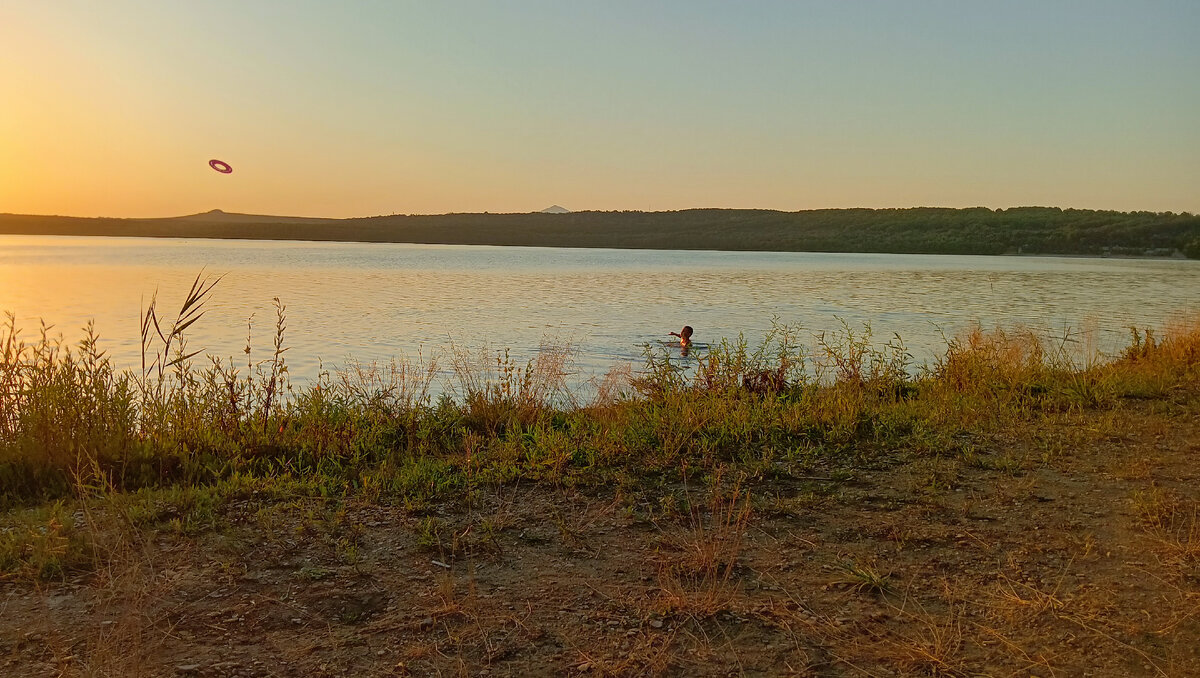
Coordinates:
(1001, 362)
(394, 389)
(1173, 524)
(613, 386)
(1017, 602)
(935, 641)
(497, 391)
(696, 565)
(125, 626)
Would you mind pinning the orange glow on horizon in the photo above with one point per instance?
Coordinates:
(115, 110)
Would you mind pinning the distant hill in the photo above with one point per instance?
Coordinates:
(1020, 230)
(556, 209)
(217, 216)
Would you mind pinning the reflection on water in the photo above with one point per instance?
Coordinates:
(373, 301)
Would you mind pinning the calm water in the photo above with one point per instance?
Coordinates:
(374, 301)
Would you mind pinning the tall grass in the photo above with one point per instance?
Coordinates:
(496, 392)
(63, 413)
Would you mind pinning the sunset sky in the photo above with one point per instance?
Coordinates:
(355, 109)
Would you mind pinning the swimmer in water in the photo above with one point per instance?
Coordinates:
(685, 336)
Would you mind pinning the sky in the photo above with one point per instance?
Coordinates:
(391, 107)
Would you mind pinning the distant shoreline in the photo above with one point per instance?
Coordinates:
(1178, 256)
(1018, 231)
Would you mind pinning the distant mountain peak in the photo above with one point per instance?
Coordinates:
(223, 217)
(556, 209)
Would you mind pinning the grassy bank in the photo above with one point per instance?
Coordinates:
(680, 472)
(71, 427)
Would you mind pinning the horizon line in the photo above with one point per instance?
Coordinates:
(584, 211)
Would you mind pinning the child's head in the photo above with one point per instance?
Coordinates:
(686, 332)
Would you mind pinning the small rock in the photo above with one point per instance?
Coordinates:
(656, 623)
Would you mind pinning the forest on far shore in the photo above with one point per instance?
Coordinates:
(919, 230)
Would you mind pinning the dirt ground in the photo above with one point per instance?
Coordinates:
(1069, 547)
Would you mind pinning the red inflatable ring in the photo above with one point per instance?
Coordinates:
(220, 166)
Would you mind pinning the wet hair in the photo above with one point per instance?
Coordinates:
(686, 332)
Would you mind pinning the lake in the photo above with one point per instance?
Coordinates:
(374, 301)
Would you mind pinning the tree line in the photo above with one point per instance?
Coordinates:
(920, 230)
